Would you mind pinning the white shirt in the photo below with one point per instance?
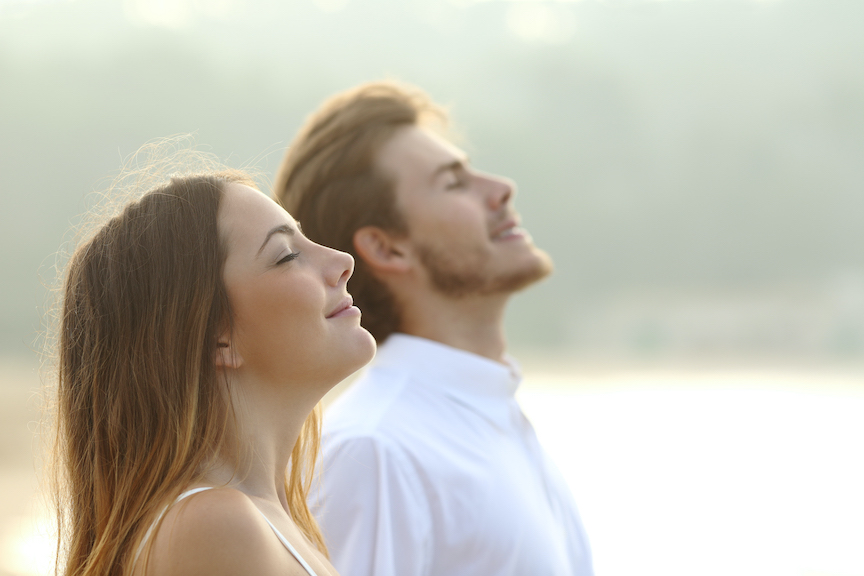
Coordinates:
(430, 468)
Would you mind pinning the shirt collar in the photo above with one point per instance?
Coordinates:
(469, 378)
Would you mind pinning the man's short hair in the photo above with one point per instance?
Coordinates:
(329, 182)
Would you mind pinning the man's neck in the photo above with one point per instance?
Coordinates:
(474, 324)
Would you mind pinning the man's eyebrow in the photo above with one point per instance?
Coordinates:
(281, 229)
(458, 164)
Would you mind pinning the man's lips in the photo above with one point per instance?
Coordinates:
(509, 227)
(345, 306)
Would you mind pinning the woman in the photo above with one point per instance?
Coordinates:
(199, 330)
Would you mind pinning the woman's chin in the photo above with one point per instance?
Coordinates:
(349, 359)
(366, 349)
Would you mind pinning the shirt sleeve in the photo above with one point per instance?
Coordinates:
(372, 509)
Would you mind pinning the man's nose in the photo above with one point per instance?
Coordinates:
(500, 190)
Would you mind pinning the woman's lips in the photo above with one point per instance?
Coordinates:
(345, 308)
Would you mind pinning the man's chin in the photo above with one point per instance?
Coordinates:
(462, 280)
(537, 269)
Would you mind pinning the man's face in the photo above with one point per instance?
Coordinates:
(461, 222)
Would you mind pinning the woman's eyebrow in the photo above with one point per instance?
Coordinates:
(281, 229)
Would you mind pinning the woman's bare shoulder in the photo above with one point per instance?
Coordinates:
(218, 532)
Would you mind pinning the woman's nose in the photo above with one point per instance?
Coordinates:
(341, 269)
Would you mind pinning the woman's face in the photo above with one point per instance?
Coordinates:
(293, 318)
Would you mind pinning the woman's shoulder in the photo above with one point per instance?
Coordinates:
(215, 532)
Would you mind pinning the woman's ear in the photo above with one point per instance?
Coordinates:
(381, 250)
(226, 354)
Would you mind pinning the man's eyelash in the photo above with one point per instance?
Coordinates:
(288, 258)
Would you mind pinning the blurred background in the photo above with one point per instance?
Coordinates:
(694, 167)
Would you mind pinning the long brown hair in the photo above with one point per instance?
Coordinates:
(329, 182)
(141, 409)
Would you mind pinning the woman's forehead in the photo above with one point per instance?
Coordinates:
(246, 215)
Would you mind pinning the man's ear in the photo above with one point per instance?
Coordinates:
(381, 250)
(226, 354)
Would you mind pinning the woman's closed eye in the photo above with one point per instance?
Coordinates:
(288, 258)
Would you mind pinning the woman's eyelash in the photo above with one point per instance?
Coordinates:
(288, 258)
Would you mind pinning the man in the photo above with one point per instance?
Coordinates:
(430, 468)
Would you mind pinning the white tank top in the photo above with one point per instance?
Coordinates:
(279, 535)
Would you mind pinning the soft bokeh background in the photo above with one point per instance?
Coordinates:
(695, 168)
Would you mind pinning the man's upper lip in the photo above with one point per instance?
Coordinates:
(506, 225)
(346, 302)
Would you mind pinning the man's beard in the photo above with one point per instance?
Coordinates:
(461, 276)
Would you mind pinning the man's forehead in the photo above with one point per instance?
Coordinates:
(443, 145)
(417, 151)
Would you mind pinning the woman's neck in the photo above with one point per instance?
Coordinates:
(269, 420)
